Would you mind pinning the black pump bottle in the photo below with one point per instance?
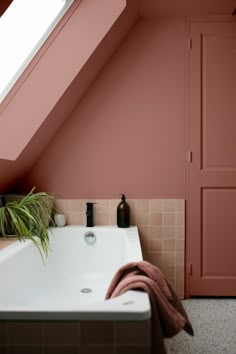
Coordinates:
(123, 213)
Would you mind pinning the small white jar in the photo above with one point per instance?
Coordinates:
(60, 219)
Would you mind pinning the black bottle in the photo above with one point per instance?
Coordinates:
(123, 213)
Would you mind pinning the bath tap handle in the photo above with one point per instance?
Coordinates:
(90, 206)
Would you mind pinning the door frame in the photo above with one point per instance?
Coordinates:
(188, 22)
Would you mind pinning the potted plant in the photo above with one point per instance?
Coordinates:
(27, 218)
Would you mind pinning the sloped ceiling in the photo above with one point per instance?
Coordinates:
(64, 103)
(81, 30)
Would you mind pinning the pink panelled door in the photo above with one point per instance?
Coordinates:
(213, 166)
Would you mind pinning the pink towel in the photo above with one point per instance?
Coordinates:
(168, 314)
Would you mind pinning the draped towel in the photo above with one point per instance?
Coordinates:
(168, 315)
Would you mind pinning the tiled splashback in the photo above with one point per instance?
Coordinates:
(161, 229)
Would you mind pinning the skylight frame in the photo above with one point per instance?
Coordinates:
(35, 50)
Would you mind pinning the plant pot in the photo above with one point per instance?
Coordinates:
(60, 219)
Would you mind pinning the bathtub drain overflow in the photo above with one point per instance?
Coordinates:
(86, 290)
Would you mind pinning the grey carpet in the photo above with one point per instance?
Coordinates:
(214, 324)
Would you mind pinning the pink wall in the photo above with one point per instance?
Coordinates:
(186, 7)
(128, 132)
(83, 28)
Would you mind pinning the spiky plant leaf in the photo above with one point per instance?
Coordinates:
(28, 219)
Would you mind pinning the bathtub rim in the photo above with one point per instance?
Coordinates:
(139, 312)
(130, 306)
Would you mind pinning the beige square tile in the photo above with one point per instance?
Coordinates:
(101, 219)
(180, 205)
(113, 204)
(179, 219)
(168, 205)
(142, 217)
(62, 205)
(179, 272)
(156, 231)
(179, 291)
(112, 219)
(155, 245)
(133, 218)
(155, 258)
(180, 281)
(76, 219)
(172, 283)
(168, 245)
(77, 205)
(155, 205)
(179, 245)
(168, 271)
(132, 204)
(179, 259)
(168, 231)
(84, 219)
(168, 259)
(145, 245)
(155, 219)
(102, 206)
(168, 219)
(145, 254)
(144, 231)
(142, 205)
(180, 232)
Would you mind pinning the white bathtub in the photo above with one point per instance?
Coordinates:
(57, 290)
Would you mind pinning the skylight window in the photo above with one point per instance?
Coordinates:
(24, 27)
